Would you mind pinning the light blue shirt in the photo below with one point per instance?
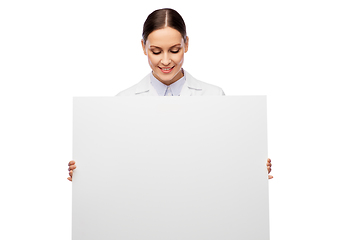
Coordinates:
(163, 90)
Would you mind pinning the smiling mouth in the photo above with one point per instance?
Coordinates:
(166, 70)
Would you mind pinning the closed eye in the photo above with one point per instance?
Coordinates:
(172, 51)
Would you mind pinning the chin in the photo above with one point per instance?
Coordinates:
(169, 76)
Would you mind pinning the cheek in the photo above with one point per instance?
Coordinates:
(179, 58)
(153, 61)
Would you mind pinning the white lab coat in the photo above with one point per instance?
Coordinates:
(191, 87)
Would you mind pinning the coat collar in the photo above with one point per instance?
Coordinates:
(145, 87)
(190, 85)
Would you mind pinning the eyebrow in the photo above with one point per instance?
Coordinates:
(170, 47)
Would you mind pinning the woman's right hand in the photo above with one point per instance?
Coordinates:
(72, 166)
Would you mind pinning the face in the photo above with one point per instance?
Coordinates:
(165, 49)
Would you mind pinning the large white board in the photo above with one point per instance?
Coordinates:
(170, 168)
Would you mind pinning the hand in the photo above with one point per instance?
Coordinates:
(72, 166)
(269, 168)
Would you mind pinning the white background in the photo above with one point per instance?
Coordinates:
(51, 51)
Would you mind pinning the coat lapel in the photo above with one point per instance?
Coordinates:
(144, 87)
(185, 90)
(191, 86)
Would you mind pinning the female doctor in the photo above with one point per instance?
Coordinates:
(164, 43)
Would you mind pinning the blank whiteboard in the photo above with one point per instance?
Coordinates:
(170, 168)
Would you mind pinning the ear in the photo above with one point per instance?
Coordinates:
(143, 46)
(187, 44)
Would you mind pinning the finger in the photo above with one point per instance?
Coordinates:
(72, 167)
(269, 169)
(71, 163)
(71, 173)
(270, 176)
(70, 179)
(268, 160)
(269, 164)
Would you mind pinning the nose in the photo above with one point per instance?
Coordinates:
(165, 60)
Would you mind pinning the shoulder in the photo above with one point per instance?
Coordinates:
(201, 88)
(141, 87)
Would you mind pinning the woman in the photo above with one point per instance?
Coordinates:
(164, 43)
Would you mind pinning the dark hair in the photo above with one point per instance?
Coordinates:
(162, 18)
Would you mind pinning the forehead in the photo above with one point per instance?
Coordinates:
(165, 37)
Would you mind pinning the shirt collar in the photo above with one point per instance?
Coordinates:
(161, 88)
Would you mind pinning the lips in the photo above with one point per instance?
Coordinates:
(166, 70)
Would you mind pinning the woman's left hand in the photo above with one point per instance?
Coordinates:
(269, 168)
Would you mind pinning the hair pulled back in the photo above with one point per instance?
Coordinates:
(162, 18)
